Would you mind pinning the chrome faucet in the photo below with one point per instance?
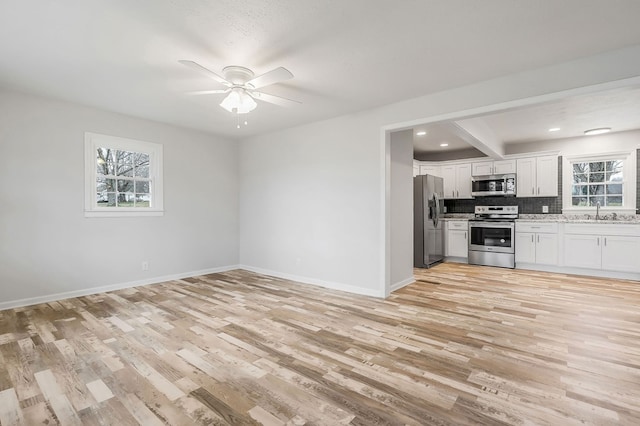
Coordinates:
(598, 210)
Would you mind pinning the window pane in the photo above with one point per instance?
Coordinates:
(596, 190)
(596, 177)
(111, 200)
(614, 188)
(614, 176)
(124, 163)
(593, 201)
(142, 186)
(579, 190)
(125, 199)
(141, 162)
(105, 161)
(596, 166)
(579, 201)
(614, 166)
(580, 168)
(125, 185)
(614, 201)
(143, 200)
(580, 177)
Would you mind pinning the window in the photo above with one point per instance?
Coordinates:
(605, 178)
(597, 182)
(123, 177)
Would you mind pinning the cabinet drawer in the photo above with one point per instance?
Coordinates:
(622, 229)
(457, 224)
(539, 227)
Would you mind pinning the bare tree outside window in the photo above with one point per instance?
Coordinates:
(597, 182)
(122, 178)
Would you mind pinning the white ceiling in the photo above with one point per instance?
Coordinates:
(617, 109)
(346, 56)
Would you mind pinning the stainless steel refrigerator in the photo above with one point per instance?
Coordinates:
(428, 229)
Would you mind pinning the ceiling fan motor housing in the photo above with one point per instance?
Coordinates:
(237, 75)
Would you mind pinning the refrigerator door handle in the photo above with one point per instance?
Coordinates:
(436, 209)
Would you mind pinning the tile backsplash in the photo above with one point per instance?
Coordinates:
(528, 205)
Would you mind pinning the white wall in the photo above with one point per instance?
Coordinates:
(309, 204)
(587, 145)
(48, 247)
(318, 192)
(401, 208)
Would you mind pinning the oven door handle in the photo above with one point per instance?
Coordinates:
(492, 224)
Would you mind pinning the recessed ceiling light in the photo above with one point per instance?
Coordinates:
(554, 129)
(598, 131)
(444, 144)
(421, 133)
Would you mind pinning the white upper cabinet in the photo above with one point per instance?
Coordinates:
(537, 176)
(431, 169)
(485, 168)
(457, 180)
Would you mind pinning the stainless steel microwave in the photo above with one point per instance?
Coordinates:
(494, 185)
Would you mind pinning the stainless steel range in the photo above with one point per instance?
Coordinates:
(492, 236)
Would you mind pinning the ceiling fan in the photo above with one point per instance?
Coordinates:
(242, 86)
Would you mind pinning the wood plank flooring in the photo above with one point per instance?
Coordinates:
(463, 345)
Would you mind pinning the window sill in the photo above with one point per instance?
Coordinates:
(121, 213)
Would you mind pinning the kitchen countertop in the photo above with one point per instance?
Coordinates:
(627, 219)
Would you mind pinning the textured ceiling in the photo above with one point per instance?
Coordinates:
(121, 55)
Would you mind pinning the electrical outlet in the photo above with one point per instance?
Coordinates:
(545, 209)
(145, 265)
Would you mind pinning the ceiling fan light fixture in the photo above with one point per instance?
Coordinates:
(598, 131)
(238, 101)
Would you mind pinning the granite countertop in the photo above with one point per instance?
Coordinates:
(568, 218)
(581, 218)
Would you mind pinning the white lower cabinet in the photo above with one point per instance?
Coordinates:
(537, 243)
(606, 247)
(457, 238)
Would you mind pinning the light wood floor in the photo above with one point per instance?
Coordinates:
(462, 345)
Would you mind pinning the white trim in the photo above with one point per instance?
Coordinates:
(102, 289)
(385, 220)
(313, 281)
(403, 283)
(594, 273)
(94, 140)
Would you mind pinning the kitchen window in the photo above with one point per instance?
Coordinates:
(607, 178)
(123, 177)
(598, 182)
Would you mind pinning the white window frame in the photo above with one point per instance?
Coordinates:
(93, 141)
(628, 183)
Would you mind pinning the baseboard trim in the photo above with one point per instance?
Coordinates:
(313, 281)
(94, 290)
(595, 273)
(403, 283)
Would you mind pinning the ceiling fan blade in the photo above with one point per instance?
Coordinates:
(274, 76)
(205, 71)
(278, 100)
(207, 92)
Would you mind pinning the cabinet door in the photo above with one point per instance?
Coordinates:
(547, 249)
(482, 169)
(525, 247)
(582, 251)
(547, 176)
(463, 181)
(457, 243)
(449, 184)
(620, 253)
(504, 166)
(526, 177)
(430, 169)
